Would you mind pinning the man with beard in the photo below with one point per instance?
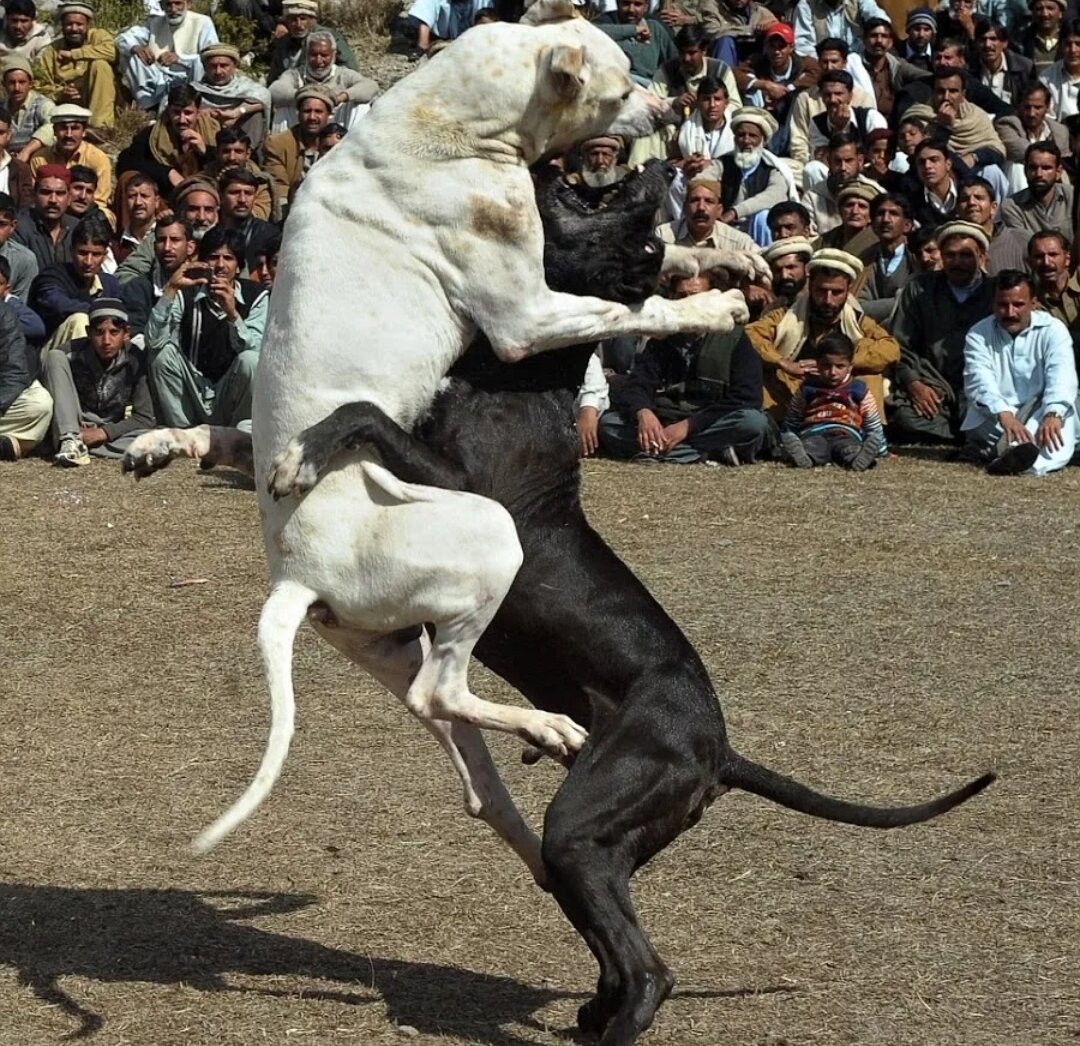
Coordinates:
(753, 178)
(787, 259)
(238, 188)
(288, 156)
(844, 161)
(141, 203)
(1057, 287)
(1047, 202)
(700, 225)
(22, 35)
(72, 150)
(164, 51)
(235, 101)
(689, 399)
(600, 165)
(1020, 384)
(1008, 247)
(933, 315)
(1031, 124)
(888, 265)
(46, 226)
(789, 219)
(785, 338)
(77, 67)
(921, 27)
(174, 244)
(889, 74)
(301, 18)
(853, 234)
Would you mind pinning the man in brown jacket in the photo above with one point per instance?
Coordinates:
(288, 156)
(785, 338)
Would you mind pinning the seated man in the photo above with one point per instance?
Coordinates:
(741, 25)
(82, 199)
(785, 339)
(16, 178)
(1056, 286)
(1004, 71)
(787, 259)
(1020, 384)
(174, 245)
(30, 111)
(700, 225)
(925, 252)
(702, 140)
(890, 74)
(844, 159)
(1039, 41)
(100, 391)
(77, 68)
(288, 156)
(70, 149)
(234, 149)
(266, 259)
(774, 79)
(854, 235)
(45, 228)
(238, 188)
(1047, 202)
(689, 399)
(645, 41)
(203, 337)
(22, 264)
(933, 315)
(887, 265)
(976, 203)
(287, 48)
(178, 145)
(141, 203)
(815, 19)
(30, 322)
(789, 219)
(936, 202)
(918, 47)
(237, 102)
(752, 178)
(25, 406)
(1031, 124)
(63, 292)
(22, 36)
(839, 116)
(330, 136)
(163, 51)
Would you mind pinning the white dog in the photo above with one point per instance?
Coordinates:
(418, 229)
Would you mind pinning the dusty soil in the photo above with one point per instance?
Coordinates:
(885, 636)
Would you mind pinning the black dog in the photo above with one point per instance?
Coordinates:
(578, 633)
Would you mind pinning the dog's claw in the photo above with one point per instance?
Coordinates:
(292, 473)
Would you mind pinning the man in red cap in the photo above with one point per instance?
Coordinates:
(46, 226)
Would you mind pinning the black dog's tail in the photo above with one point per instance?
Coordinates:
(748, 776)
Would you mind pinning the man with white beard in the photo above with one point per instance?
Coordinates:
(753, 179)
(600, 165)
(164, 51)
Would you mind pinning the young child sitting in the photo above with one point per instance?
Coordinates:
(833, 417)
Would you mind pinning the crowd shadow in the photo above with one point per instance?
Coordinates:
(202, 939)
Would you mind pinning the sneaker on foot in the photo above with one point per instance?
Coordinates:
(72, 452)
(9, 449)
(729, 456)
(1018, 458)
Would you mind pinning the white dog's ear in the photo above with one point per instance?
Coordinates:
(568, 70)
(542, 11)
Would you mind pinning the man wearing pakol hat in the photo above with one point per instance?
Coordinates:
(164, 50)
(753, 179)
(787, 259)
(100, 389)
(288, 156)
(30, 111)
(77, 68)
(1039, 41)
(22, 35)
(302, 18)
(854, 200)
(600, 165)
(71, 150)
(700, 225)
(918, 48)
(231, 98)
(933, 315)
(785, 339)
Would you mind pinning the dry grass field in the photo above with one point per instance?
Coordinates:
(883, 636)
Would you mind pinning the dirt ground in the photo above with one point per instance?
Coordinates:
(884, 636)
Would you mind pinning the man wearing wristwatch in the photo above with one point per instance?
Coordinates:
(1020, 384)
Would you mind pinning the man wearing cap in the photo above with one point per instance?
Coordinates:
(787, 259)
(70, 149)
(231, 98)
(100, 389)
(288, 156)
(933, 315)
(600, 165)
(889, 73)
(31, 112)
(921, 27)
(164, 50)
(771, 80)
(700, 225)
(785, 338)
(77, 68)
(1039, 41)
(842, 19)
(753, 178)
(22, 35)
(45, 228)
(1047, 202)
(301, 18)
(1020, 384)
(887, 266)
(853, 234)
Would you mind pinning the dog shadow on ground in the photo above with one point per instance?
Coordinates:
(203, 940)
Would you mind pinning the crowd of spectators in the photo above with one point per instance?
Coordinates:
(907, 173)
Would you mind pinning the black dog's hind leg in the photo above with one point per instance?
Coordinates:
(351, 427)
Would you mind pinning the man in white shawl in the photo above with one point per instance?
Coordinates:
(232, 99)
(164, 51)
(352, 91)
(703, 138)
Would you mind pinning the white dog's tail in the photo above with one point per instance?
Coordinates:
(282, 615)
(398, 489)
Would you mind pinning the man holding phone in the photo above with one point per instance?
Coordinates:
(203, 337)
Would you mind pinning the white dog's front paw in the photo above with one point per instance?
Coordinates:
(155, 449)
(291, 473)
(719, 311)
(743, 265)
(557, 735)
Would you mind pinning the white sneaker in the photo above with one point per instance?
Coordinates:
(72, 452)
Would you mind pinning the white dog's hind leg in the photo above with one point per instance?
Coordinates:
(212, 444)
(282, 615)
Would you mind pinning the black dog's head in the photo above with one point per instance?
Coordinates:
(601, 241)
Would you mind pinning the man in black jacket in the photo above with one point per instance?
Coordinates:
(690, 399)
(25, 406)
